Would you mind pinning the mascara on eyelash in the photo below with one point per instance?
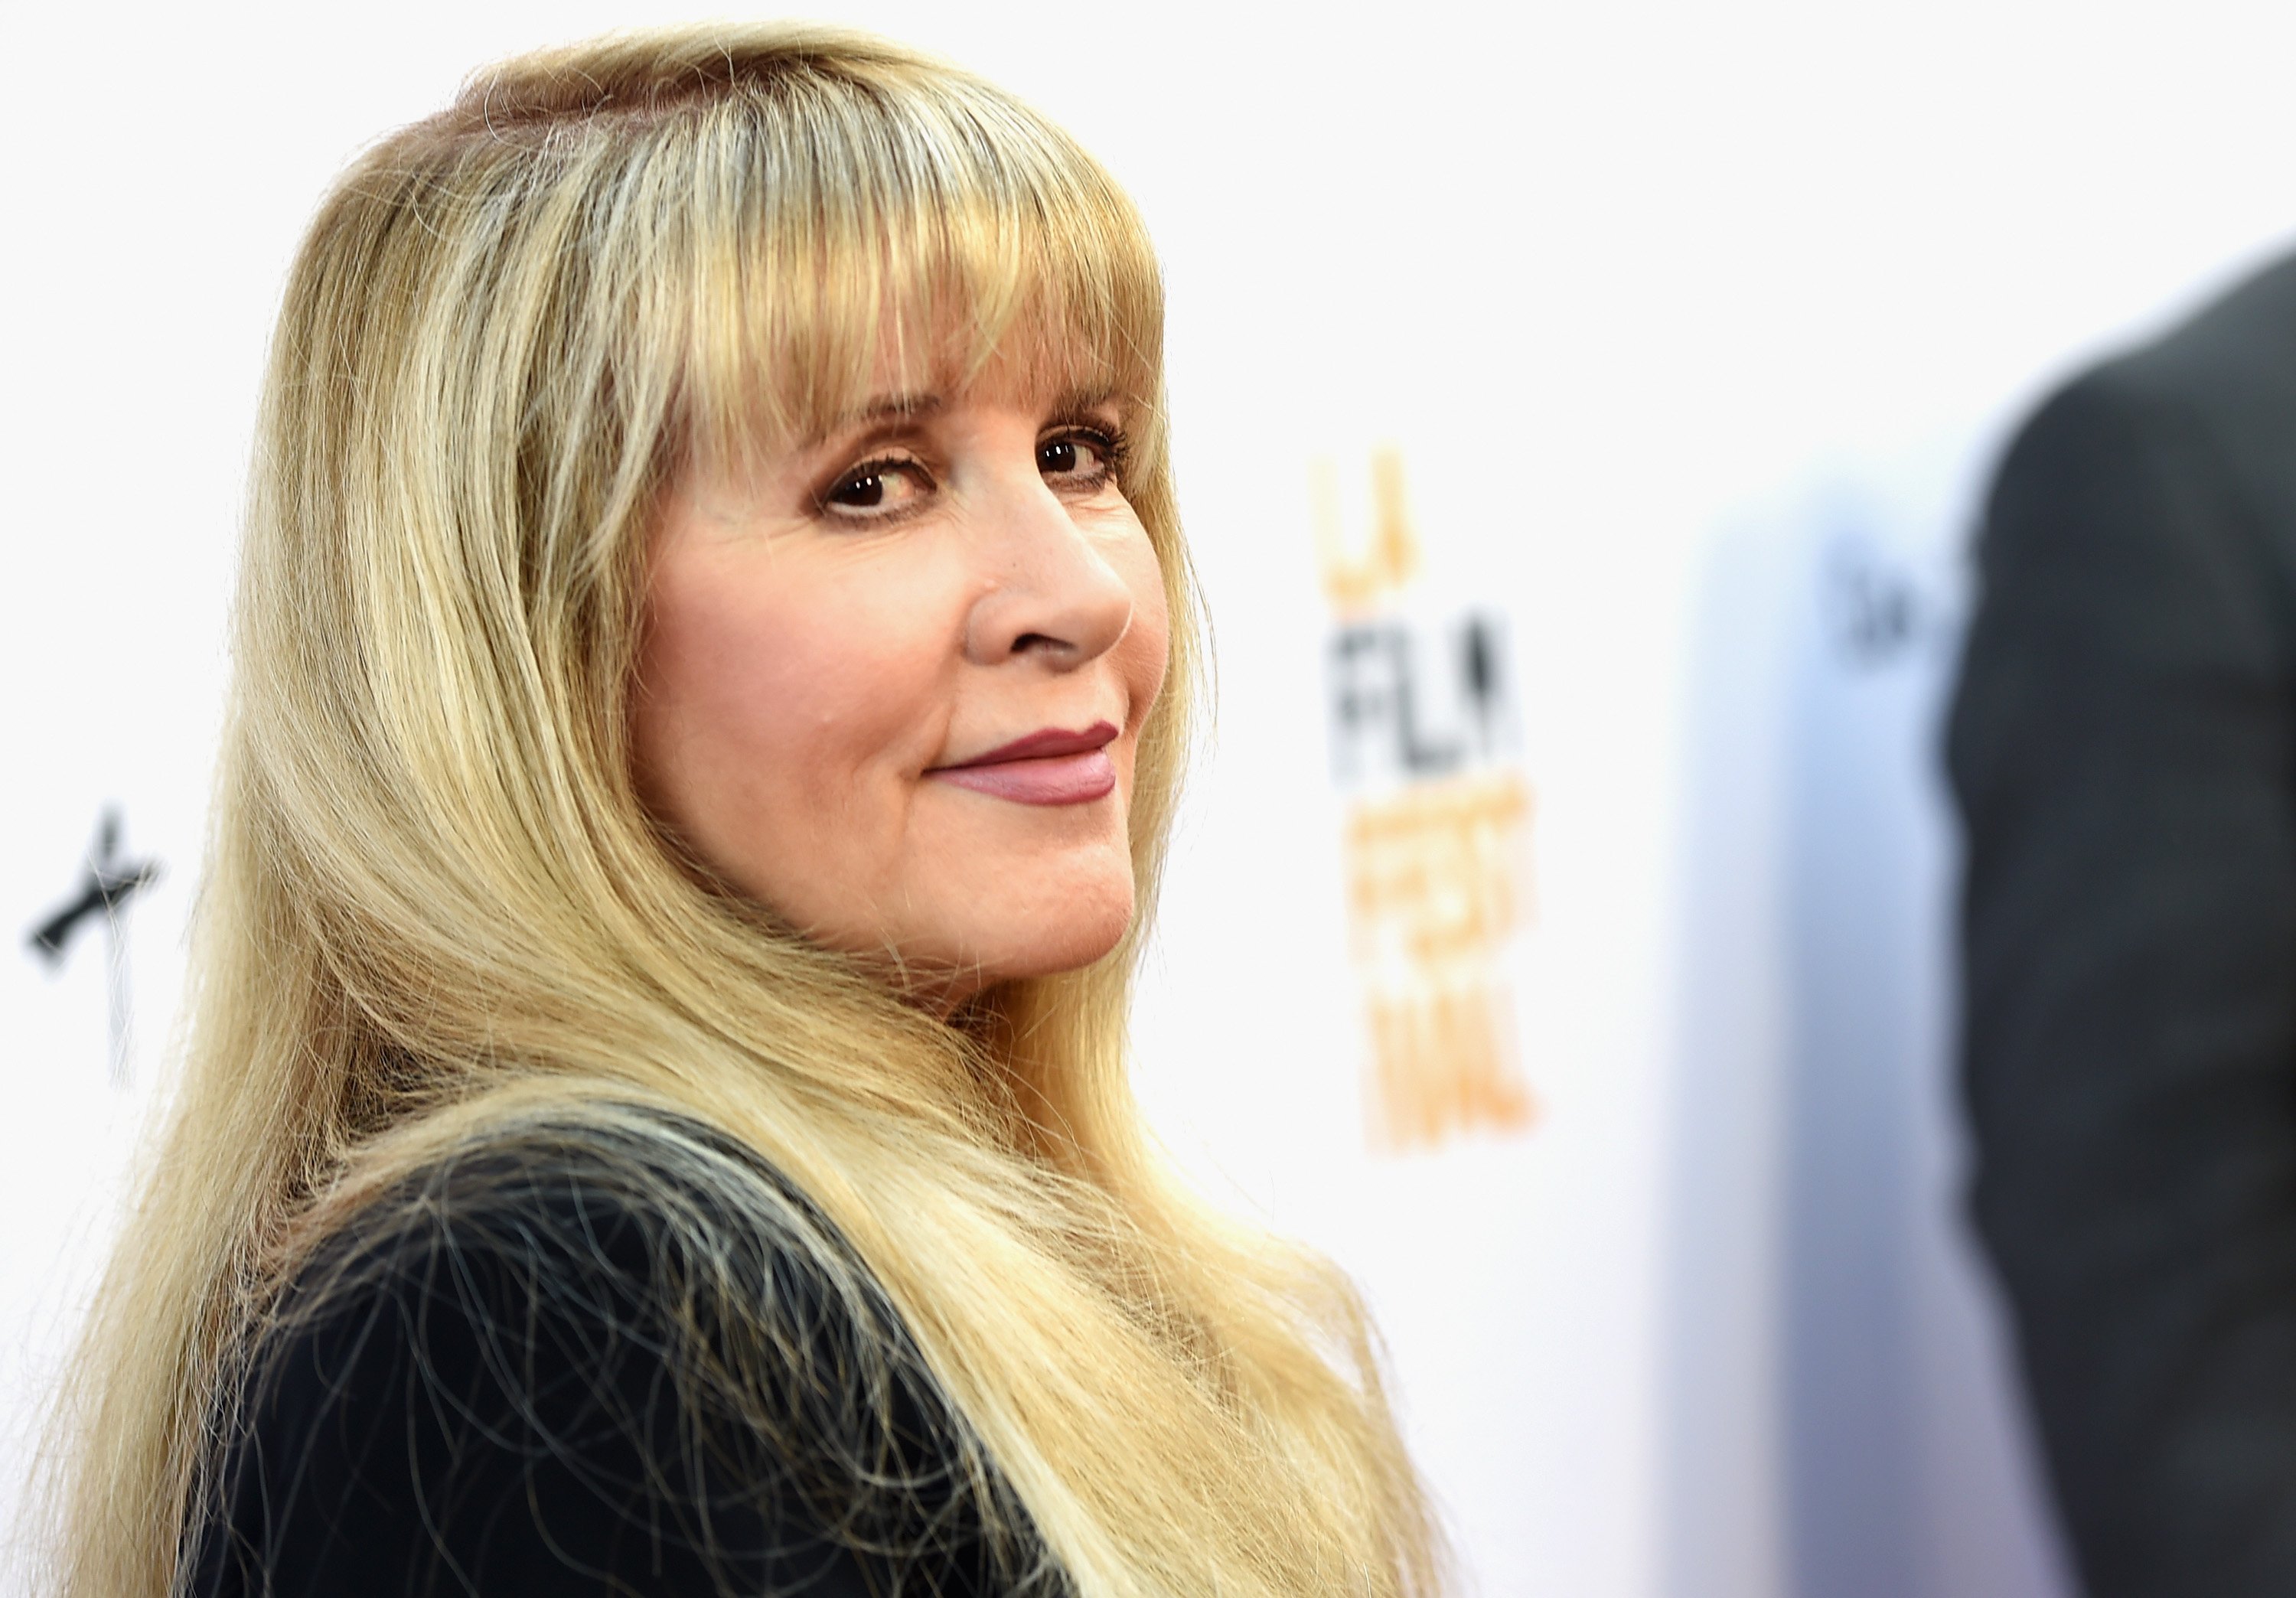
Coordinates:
(880, 467)
(1114, 444)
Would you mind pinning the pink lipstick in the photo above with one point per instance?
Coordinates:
(1048, 767)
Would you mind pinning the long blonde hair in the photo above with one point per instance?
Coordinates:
(435, 911)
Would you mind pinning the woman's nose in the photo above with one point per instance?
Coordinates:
(1048, 593)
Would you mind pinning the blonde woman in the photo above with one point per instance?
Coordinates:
(714, 657)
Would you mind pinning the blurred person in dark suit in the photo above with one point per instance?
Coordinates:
(2123, 749)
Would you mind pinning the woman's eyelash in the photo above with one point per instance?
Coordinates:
(855, 476)
(884, 466)
(1113, 448)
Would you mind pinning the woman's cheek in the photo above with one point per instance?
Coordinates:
(1148, 645)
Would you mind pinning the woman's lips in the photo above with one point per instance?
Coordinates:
(1050, 767)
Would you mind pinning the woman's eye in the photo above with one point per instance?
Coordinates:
(876, 488)
(1075, 458)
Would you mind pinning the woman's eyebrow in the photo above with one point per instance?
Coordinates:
(889, 412)
(886, 408)
(1079, 404)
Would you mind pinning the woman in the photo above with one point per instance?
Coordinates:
(714, 659)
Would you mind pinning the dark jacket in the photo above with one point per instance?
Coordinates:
(516, 1377)
(2123, 749)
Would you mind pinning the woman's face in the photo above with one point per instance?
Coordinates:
(892, 681)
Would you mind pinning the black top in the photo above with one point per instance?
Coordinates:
(516, 1376)
(2123, 746)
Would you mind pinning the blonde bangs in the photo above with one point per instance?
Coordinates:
(804, 225)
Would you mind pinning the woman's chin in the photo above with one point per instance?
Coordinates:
(1038, 941)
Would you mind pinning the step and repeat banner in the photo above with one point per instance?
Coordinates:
(1580, 421)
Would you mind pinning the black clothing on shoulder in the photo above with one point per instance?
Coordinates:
(2123, 748)
(517, 1377)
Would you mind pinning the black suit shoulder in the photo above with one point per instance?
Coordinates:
(526, 1371)
(2233, 355)
(2203, 422)
(2122, 746)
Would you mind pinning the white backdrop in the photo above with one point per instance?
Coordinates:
(1696, 327)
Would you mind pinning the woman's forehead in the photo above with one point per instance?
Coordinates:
(808, 375)
(1035, 358)
(1031, 367)
(898, 406)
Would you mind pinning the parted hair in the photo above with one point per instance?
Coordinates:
(436, 915)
